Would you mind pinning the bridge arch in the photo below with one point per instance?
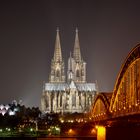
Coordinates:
(126, 94)
(100, 107)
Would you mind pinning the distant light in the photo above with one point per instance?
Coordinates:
(93, 131)
(72, 121)
(57, 128)
(62, 121)
(15, 109)
(3, 112)
(7, 107)
(1, 106)
(11, 113)
(1, 130)
(31, 129)
(8, 129)
(96, 126)
(71, 132)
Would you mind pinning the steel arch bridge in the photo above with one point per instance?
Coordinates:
(125, 98)
(100, 108)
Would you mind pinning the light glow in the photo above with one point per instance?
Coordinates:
(71, 132)
(101, 133)
(11, 113)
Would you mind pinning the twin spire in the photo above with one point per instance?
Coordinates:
(76, 66)
(58, 52)
(76, 51)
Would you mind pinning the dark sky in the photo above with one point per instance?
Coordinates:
(108, 30)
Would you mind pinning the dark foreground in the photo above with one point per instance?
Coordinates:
(112, 133)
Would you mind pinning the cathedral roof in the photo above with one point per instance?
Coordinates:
(86, 87)
(56, 86)
(66, 86)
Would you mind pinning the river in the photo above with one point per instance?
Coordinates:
(70, 138)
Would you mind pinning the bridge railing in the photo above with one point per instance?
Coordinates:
(131, 110)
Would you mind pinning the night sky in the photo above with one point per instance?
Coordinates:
(108, 30)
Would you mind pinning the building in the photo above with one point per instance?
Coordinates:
(71, 93)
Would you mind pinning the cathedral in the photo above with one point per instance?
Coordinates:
(67, 93)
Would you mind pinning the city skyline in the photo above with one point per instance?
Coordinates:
(107, 32)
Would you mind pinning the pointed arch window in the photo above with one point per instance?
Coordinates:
(57, 73)
(78, 73)
(60, 100)
(74, 100)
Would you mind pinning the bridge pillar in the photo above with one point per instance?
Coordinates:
(101, 133)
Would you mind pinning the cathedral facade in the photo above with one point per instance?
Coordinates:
(71, 93)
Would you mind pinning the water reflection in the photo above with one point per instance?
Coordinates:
(51, 138)
(72, 138)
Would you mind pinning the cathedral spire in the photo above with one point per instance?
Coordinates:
(57, 65)
(76, 52)
(57, 51)
(70, 68)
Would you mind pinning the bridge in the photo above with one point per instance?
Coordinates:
(123, 104)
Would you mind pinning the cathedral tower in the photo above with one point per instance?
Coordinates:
(57, 64)
(76, 65)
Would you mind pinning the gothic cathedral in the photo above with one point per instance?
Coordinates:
(69, 95)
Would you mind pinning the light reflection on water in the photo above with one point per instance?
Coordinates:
(79, 138)
(56, 139)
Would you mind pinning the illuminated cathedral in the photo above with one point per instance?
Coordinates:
(67, 93)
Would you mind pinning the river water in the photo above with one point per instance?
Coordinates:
(70, 138)
(51, 138)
